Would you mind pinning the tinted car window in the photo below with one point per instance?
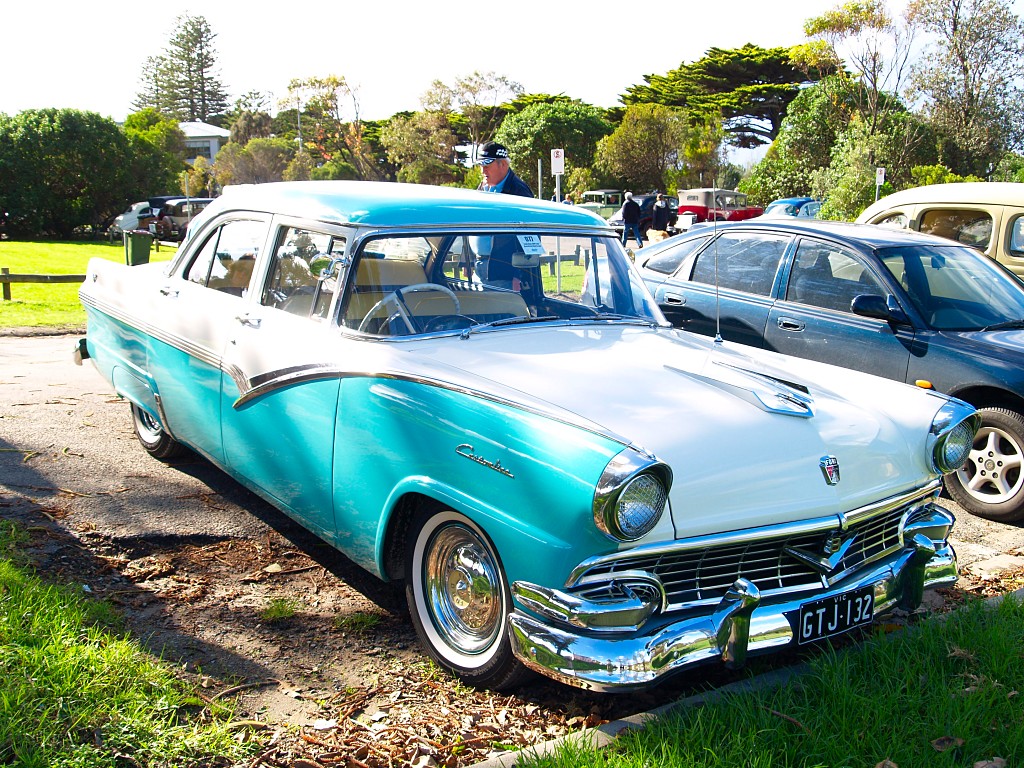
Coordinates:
(950, 288)
(668, 260)
(742, 261)
(1017, 236)
(827, 276)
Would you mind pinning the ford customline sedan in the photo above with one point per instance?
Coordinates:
(475, 394)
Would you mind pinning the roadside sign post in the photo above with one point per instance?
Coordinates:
(879, 180)
(557, 169)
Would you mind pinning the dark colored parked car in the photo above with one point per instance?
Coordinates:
(899, 304)
(646, 202)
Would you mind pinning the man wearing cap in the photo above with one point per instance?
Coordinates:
(498, 175)
(630, 213)
(495, 253)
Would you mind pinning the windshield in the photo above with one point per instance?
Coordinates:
(420, 284)
(956, 288)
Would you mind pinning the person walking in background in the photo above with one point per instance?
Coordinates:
(498, 174)
(630, 212)
(661, 215)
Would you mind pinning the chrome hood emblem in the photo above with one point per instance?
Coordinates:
(830, 469)
(834, 550)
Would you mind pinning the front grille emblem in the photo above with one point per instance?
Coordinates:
(830, 469)
(834, 549)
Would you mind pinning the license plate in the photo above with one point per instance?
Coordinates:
(835, 615)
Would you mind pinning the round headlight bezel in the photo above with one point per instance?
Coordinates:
(632, 496)
(953, 430)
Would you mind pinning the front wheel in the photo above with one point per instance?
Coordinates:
(154, 439)
(991, 483)
(459, 600)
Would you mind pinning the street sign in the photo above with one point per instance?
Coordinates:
(557, 162)
(879, 176)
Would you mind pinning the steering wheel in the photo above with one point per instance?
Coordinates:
(402, 309)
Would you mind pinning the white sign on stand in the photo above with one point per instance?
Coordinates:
(557, 162)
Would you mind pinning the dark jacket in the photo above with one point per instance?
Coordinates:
(631, 212)
(661, 215)
(515, 186)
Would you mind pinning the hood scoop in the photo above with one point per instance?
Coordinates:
(761, 390)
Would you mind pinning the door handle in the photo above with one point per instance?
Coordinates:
(789, 324)
(170, 292)
(675, 299)
(248, 321)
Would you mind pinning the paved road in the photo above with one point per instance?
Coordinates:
(61, 427)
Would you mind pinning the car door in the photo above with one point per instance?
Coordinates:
(727, 288)
(281, 376)
(815, 320)
(197, 310)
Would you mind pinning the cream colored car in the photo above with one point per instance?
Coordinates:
(988, 216)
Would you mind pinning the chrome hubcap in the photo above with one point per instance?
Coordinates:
(463, 589)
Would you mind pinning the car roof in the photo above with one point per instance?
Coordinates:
(390, 204)
(792, 200)
(852, 234)
(993, 192)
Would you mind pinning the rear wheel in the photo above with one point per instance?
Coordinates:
(459, 600)
(154, 439)
(991, 484)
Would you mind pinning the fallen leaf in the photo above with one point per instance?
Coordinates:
(995, 762)
(946, 743)
(273, 568)
(324, 725)
(887, 763)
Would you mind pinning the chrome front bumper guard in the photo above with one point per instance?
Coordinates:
(742, 623)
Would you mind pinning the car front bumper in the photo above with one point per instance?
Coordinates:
(741, 624)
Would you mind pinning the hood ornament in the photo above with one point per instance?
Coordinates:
(830, 469)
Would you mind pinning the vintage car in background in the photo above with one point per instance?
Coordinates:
(988, 216)
(172, 219)
(646, 202)
(708, 204)
(604, 202)
(898, 304)
(391, 366)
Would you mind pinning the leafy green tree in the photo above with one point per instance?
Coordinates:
(334, 169)
(61, 169)
(422, 146)
(1010, 168)
(937, 174)
(157, 150)
(531, 134)
(646, 148)
(197, 179)
(258, 162)
(248, 125)
(479, 98)
(750, 89)
(182, 82)
(971, 79)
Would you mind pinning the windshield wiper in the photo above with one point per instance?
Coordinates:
(520, 320)
(1004, 326)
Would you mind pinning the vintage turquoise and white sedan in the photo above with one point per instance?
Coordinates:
(475, 394)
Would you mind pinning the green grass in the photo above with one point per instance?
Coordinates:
(278, 609)
(76, 693)
(949, 692)
(56, 305)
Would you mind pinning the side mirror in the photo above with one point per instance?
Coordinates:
(880, 307)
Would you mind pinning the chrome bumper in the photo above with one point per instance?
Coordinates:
(742, 623)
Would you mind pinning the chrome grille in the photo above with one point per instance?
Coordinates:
(694, 575)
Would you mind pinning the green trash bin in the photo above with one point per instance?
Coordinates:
(136, 247)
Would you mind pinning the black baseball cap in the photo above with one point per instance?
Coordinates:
(490, 152)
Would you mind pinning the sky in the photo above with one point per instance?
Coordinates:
(90, 56)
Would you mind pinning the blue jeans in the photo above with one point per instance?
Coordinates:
(635, 229)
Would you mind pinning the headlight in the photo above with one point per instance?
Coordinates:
(953, 431)
(631, 496)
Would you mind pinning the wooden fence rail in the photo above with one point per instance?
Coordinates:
(7, 277)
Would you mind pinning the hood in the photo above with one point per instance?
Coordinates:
(742, 446)
(1010, 340)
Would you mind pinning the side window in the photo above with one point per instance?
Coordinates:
(742, 262)
(226, 259)
(293, 283)
(973, 228)
(827, 276)
(1017, 236)
(894, 221)
(668, 261)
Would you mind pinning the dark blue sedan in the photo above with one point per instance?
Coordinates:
(898, 304)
